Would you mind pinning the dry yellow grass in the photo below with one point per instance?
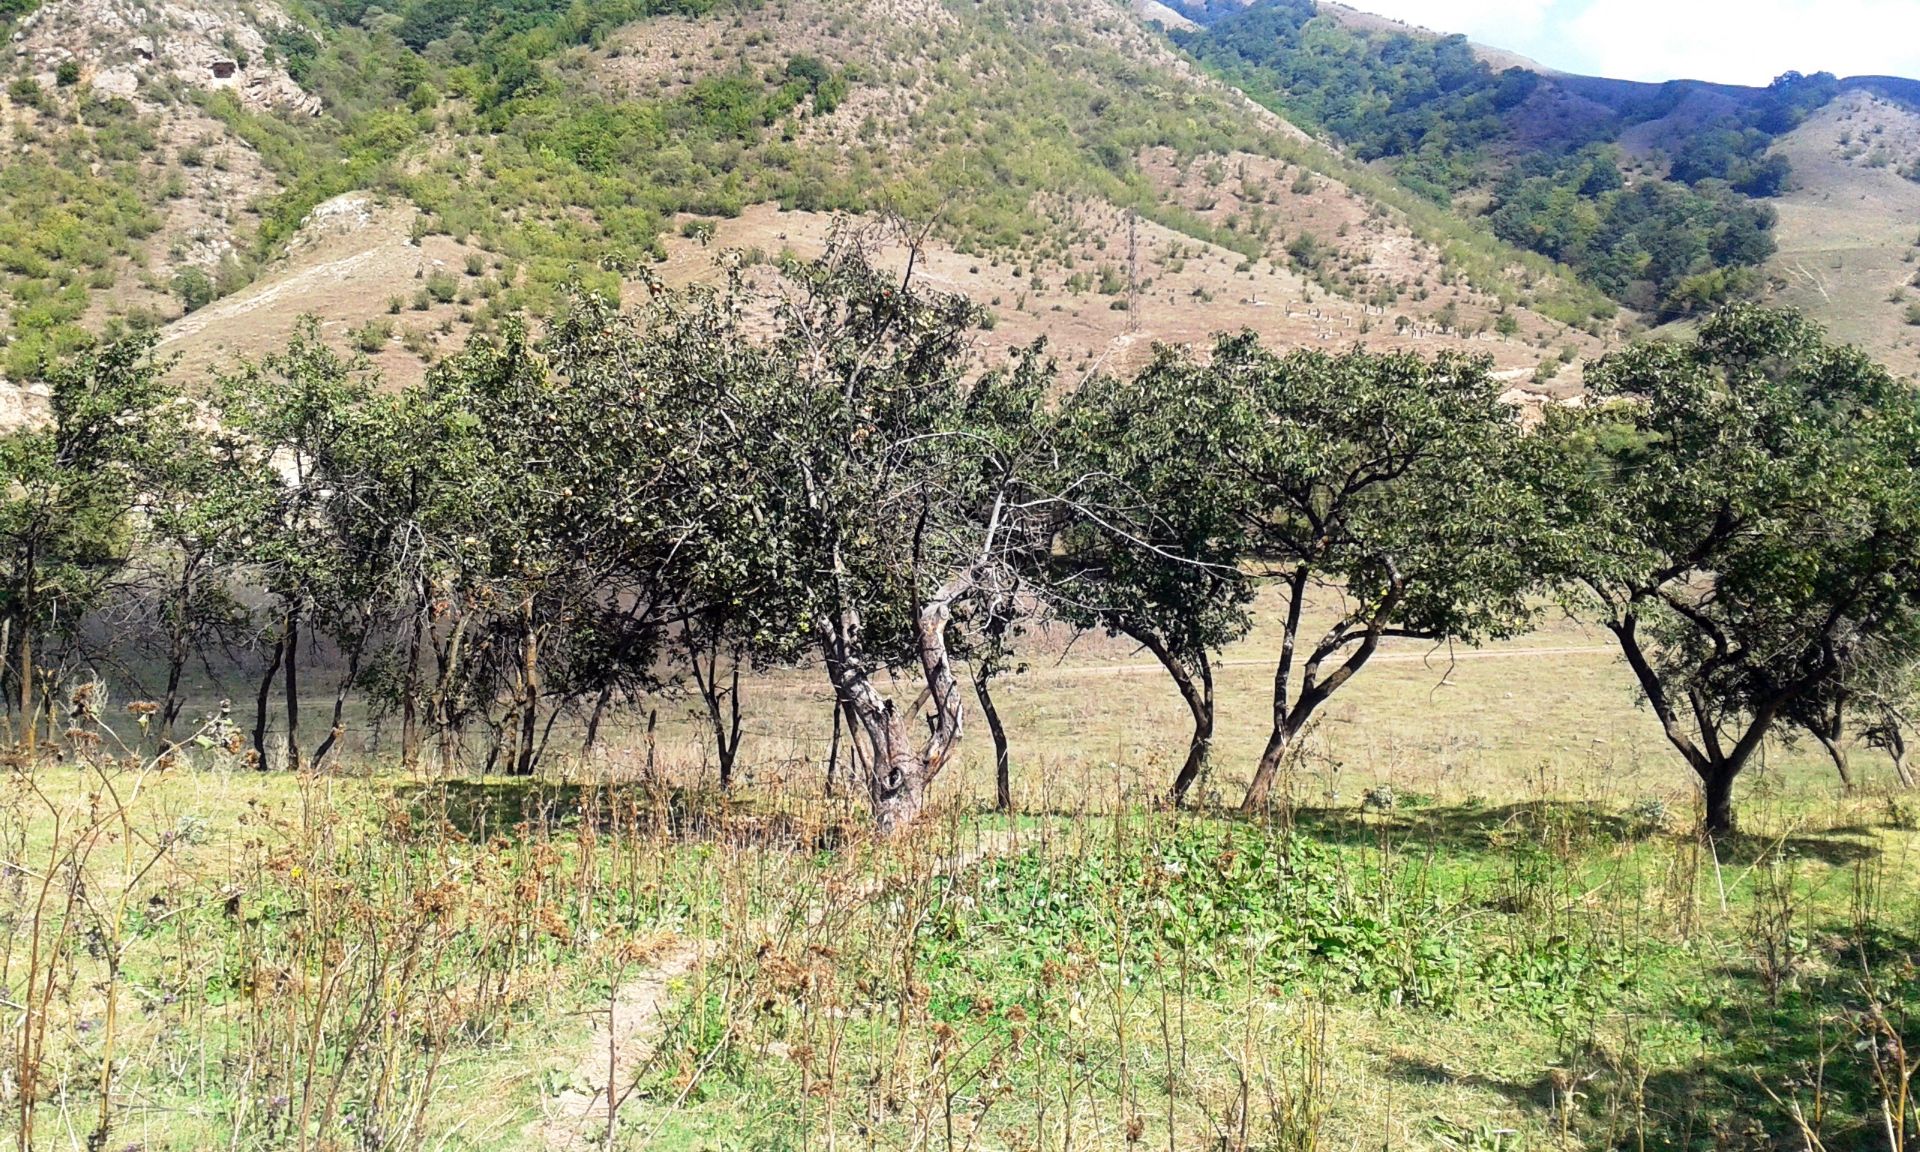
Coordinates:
(1093, 722)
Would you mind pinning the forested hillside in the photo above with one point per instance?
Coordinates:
(424, 171)
(1657, 194)
(532, 145)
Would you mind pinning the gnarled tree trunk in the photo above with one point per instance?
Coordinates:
(25, 669)
(263, 701)
(1717, 788)
(900, 769)
(1837, 752)
(292, 649)
(179, 650)
(1703, 748)
(1893, 741)
(721, 697)
(410, 690)
(529, 718)
(1290, 716)
(341, 689)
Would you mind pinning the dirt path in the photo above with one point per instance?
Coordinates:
(612, 1054)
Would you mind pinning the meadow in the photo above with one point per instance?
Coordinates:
(1479, 917)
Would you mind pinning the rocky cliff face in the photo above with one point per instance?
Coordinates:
(122, 46)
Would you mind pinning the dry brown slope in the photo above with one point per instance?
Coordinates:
(353, 260)
(1848, 229)
(1378, 282)
(1191, 291)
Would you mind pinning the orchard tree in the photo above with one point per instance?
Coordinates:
(317, 545)
(552, 528)
(731, 601)
(1887, 731)
(1376, 491)
(198, 504)
(67, 492)
(1869, 699)
(1742, 512)
(890, 473)
(1154, 548)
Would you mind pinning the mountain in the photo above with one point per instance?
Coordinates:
(414, 176)
(1101, 173)
(1672, 198)
(1849, 230)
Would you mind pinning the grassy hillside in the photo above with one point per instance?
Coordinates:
(557, 144)
(1654, 193)
(1849, 231)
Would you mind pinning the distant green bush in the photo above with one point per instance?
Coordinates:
(26, 92)
(373, 336)
(194, 288)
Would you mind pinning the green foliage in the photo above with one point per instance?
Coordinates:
(1380, 476)
(61, 224)
(68, 491)
(1658, 246)
(26, 92)
(1427, 103)
(1735, 151)
(1155, 552)
(1288, 911)
(1741, 513)
(883, 483)
(1383, 474)
(442, 286)
(1170, 570)
(828, 87)
(193, 288)
(373, 336)
(1447, 122)
(1306, 250)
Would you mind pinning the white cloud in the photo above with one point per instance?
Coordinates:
(1734, 41)
(1748, 41)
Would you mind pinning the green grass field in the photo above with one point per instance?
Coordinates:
(1525, 947)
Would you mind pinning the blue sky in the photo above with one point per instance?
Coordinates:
(1733, 41)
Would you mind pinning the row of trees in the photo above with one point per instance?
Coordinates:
(724, 480)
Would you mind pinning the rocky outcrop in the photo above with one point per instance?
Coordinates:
(121, 45)
(22, 406)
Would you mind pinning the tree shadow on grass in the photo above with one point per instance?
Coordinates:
(518, 808)
(1468, 828)
(1531, 1095)
(1835, 846)
(1761, 1055)
(1808, 1049)
(1482, 828)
